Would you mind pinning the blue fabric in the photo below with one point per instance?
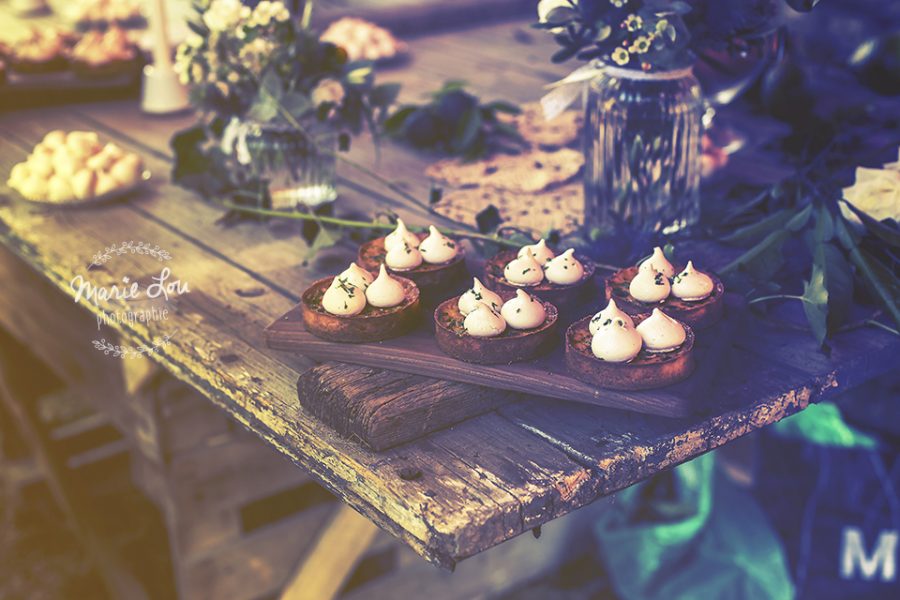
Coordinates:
(837, 512)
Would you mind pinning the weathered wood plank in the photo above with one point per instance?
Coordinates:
(462, 502)
(383, 409)
(216, 325)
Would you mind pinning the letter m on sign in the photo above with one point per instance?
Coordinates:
(882, 559)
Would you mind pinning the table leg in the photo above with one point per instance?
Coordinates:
(333, 557)
(119, 582)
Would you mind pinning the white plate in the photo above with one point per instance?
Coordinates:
(102, 198)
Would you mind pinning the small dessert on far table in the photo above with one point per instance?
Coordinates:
(103, 54)
(433, 261)
(476, 331)
(39, 51)
(356, 307)
(560, 280)
(608, 350)
(100, 13)
(363, 40)
(74, 167)
(689, 295)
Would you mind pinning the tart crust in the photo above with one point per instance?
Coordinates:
(371, 325)
(561, 296)
(646, 371)
(106, 70)
(699, 315)
(427, 276)
(511, 346)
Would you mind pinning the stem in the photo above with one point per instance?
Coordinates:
(307, 14)
(779, 297)
(881, 325)
(360, 224)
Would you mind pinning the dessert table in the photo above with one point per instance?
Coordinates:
(449, 494)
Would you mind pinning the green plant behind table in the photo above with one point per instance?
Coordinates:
(262, 66)
(455, 122)
(805, 225)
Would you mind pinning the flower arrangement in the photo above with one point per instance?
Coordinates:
(263, 72)
(261, 64)
(648, 35)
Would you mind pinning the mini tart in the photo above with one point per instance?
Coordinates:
(511, 346)
(427, 276)
(644, 372)
(106, 70)
(699, 315)
(40, 52)
(104, 55)
(371, 325)
(561, 296)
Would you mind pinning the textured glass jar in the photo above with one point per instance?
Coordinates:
(642, 151)
(297, 167)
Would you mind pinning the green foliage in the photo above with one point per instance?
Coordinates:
(837, 265)
(455, 122)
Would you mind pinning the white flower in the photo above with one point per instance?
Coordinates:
(266, 11)
(262, 14)
(875, 192)
(545, 7)
(223, 15)
(328, 90)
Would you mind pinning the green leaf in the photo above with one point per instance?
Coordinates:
(434, 195)
(603, 32)
(264, 109)
(564, 54)
(815, 303)
(753, 232)
(882, 230)
(393, 125)
(838, 282)
(824, 229)
(385, 94)
(881, 280)
(271, 84)
(466, 130)
(324, 239)
(799, 221)
(296, 103)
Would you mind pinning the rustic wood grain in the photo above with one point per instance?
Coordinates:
(418, 353)
(382, 409)
(460, 490)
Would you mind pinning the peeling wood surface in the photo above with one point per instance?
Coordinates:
(457, 491)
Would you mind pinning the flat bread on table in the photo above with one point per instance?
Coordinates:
(527, 173)
(556, 208)
(564, 130)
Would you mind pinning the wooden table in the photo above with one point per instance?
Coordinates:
(456, 492)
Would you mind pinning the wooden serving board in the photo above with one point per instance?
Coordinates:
(418, 354)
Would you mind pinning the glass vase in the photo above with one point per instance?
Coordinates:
(297, 167)
(642, 151)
